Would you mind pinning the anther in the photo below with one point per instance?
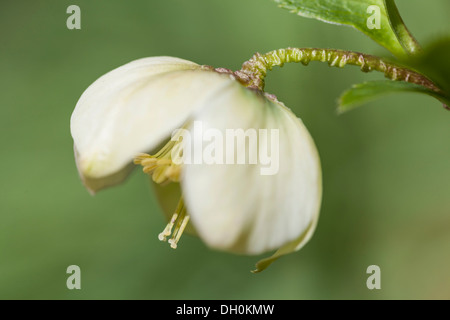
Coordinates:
(176, 237)
(180, 220)
(168, 230)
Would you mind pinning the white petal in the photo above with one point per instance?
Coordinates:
(289, 247)
(134, 108)
(235, 208)
(95, 184)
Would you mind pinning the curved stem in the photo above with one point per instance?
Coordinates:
(254, 71)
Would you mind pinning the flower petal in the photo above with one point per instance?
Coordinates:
(95, 184)
(234, 207)
(290, 247)
(132, 109)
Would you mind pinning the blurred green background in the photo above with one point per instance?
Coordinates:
(385, 166)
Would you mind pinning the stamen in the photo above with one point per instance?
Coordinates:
(148, 162)
(163, 169)
(174, 241)
(177, 228)
(161, 166)
(173, 173)
(159, 175)
(149, 169)
(168, 230)
(180, 220)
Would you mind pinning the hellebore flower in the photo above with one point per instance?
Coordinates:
(232, 207)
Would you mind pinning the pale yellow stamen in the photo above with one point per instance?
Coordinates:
(168, 230)
(173, 172)
(180, 220)
(176, 237)
(161, 166)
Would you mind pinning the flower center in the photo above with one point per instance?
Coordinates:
(163, 169)
(161, 166)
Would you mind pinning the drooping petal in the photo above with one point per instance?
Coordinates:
(134, 108)
(254, 208)
(95, 184)
(290, 247)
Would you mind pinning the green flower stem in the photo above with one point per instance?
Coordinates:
(254, 71)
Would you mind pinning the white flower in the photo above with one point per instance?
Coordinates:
(232, 207)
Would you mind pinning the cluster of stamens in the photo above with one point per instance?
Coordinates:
(163, 169)
(161, 166)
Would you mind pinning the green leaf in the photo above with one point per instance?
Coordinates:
(406, 39)
(354, 13)
(362, 93)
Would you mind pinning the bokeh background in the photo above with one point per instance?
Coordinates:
(386, 166)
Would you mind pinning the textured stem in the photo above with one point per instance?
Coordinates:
(254, 71)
